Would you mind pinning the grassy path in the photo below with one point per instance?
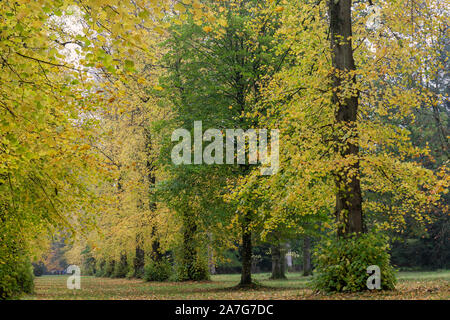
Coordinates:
(411, 285)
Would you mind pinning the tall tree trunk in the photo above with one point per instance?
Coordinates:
(189, 254)
(192, 266)
(139, 258)
(155, 254)
(278, 262)
(345, 97)
(307, 256)
(246, 273)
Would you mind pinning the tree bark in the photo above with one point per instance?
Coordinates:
(139, 259)
(189, 248)
(246, 273)
(155, 254)
(349, 214)
(307, 256)
(278, 262)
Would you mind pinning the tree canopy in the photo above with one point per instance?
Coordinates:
(92, 91)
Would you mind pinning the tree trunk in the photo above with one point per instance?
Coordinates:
(139, 259)
(307, 256)
(189, 248)
(345, 98)
(246, 273)
(192, 265)
(278, 262)
(156, 252)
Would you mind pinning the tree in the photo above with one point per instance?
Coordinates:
(340, 152)
(278, 252)
(345, 99)
(307, 268)
(47, 165)
(216, 76)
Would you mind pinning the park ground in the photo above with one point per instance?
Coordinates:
(411, 285)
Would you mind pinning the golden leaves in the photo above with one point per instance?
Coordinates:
(207, 29)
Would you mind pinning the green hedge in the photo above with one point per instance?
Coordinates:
(158, 271)
(16, 275)
(341, 265)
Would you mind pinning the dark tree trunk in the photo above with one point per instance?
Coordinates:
(156, 254)
(278, 262)
(246, 273)
(189, 252)
(192, 267)
(307, 256)
(139, 259)
(348, 199)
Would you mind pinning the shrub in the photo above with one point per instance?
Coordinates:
(192, 267)
(24, 276)
(158, 270)
(39, 269)
(195, 272)
(109, 268)
(130, 274)
(341, 265)
(120, 269)
(100, 268)
(138, 273)
(16, 277)
(88, 266)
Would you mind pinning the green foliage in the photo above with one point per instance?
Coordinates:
(120, 268)
(428, 250)
(158, 270)
(16, 277)
(109, 269)
(196, 271)
(341, 265)
(88, 266)
(130, 274)
(247, 64)
(100, 268)
(137, 273)
(39, 269)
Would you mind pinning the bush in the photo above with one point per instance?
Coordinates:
(88, 266)
(16, 277)
(39, 269)
(195, 272)
(109, 268)
(191, 267)
(139, 273)
(120, 269)
(158, 271)
(100, 268)
(16, 271)
(24, 276)
(130, 274)
(341, 265)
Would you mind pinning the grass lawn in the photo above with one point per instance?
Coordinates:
(411, 285)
